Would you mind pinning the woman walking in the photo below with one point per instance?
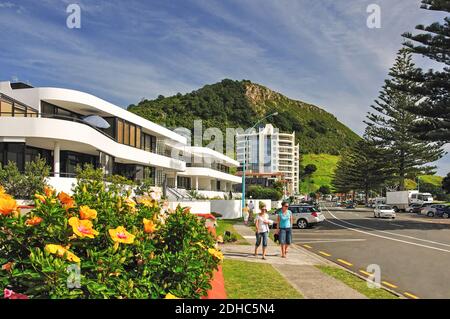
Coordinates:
(284, 228)
(262, 231)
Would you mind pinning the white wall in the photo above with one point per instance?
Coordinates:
(229, 209)
(62, 184)
(197, 207)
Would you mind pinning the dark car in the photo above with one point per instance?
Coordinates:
(417, 208)
(443, 212)
(414, 208)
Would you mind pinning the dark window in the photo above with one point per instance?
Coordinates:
(70, 160)
(13, 152)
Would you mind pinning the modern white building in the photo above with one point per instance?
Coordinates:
(65, 127)
(270, 153)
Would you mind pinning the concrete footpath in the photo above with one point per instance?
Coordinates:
(298, 268)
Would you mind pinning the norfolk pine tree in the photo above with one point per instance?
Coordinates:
(433, 42)
(389, 126)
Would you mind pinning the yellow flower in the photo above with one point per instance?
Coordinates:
(82, 228)
(131, 204)
(49, 191)
(7, 205)
(2, 190)
(61, 251)
(149, 226)
(33, 221)
(120, 235)
(170, 296)
(40, 197)
(87, 213)
(217, 254)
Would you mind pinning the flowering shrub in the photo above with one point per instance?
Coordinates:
(100, 243)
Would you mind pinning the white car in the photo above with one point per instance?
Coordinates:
(384, 211)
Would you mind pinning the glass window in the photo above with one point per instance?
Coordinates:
(6, 108)
(148, 143)
(126, 133)
(138, 137)
(31, 112)
(19, 110)
(132, 135)
(120, 131)
(47, 108)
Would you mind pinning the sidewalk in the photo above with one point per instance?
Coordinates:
(298, 269)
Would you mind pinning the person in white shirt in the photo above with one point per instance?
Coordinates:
(262, 231)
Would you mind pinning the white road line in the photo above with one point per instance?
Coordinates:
(391, 233)
(329, 241)
(384, 237)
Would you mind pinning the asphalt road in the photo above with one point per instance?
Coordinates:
(413, 254)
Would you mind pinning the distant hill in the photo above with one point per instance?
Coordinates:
(240, 104)
(326, 165)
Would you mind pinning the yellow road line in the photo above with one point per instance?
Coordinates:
(324, 253)
(342, 261)
(365, 272)
(409, 295)
(307, 246)
(386, 283)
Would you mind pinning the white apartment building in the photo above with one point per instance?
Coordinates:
(269, 152)
(68, 128)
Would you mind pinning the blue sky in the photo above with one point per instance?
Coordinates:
(318, 51)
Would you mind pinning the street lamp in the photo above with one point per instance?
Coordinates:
(245, 152)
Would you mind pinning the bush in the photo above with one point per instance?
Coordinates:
(259, 192)
(119, 248)
(24, 185)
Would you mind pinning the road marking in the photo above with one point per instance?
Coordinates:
(385, 237)
(407, 294)
(324, 253)
(307, 246)
(387, 232)
(389, 284)
(365, 272)
(398, 225)
(328, 241)
(342, 261)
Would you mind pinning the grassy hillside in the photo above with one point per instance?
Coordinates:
(326, 164)
(239, 104)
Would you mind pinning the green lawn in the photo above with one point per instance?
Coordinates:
(326, 165)
(356, 283)
(224, 225)
(249, 280)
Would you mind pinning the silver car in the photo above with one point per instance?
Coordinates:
(304, 216)
(430, 210)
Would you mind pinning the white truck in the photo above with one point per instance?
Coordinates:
(402, 199)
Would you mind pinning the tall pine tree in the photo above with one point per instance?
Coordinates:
(361, 168)
(433, 42)
(389, 126)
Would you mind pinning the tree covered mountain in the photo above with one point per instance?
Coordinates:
(240, 104)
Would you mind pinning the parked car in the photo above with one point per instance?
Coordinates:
(422, 208)
(414, 208)
(443, 212)
(350, 205)
(430, 210)
(304, 216)
(383, 211)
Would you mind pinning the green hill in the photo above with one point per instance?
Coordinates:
(326, 165)
(235, 104)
